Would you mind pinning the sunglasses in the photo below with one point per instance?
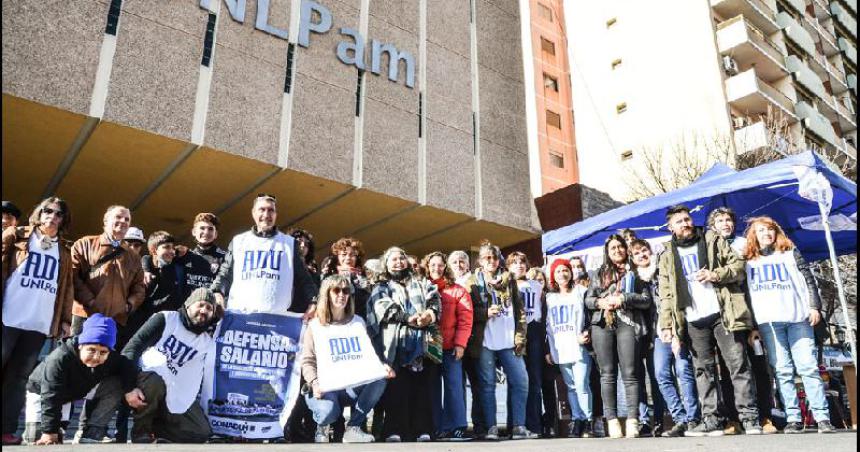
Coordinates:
(340, 290)
(50, 211)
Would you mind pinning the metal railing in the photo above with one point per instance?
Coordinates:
(823, 32)
(758, 33)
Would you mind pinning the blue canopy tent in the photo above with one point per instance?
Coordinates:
(770, 189)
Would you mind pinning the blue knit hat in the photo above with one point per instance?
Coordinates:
(100, 330)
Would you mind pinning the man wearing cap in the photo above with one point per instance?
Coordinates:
(108, 278)
(263, 271)
(11, 214)
(135, 240)
(38, 292)
(170, 350)
(70, 372)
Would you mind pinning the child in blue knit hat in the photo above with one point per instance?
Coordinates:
(70, 372)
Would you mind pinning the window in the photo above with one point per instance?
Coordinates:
(553, 119)
(547, 46)
(556, 159)
(550, 82)
(615, 63)
(627, 155)
(544, 12)
(611, 22)
(621, 108)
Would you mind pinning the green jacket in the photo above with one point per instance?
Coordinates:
(675, 297)
(481, 301)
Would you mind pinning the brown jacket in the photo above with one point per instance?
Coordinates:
(109, 288)
(16, 248)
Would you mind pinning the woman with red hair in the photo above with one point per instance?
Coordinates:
(567, 333)
(786, 306)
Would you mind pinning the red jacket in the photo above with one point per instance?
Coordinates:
(456, 323)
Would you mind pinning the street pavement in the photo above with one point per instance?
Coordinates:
(844, 441)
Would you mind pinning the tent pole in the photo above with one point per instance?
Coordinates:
(849, 333)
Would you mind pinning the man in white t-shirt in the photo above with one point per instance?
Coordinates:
(263, 271)
(702, 303)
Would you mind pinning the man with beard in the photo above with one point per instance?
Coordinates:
(170, 350)
(702, 302)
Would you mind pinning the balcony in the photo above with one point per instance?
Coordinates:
(845, 114)
(752, 96)
(844, 18)
(848, 50)
(851, 4)
(822, 10)
(837, 77)
(752, 138)
(821, 34)
(816, 123)
(755, 11)
(749, 47)
(849, 149)
(851, 81)
(796, 33)
(806, 76)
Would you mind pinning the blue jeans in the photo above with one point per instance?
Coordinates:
(684, 408)
(576, 376)
(646, 364)
(515, 371)
(449, 404)
(362, 398)
(790, 347)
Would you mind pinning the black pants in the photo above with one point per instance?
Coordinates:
(20, 354)
(408, 405)
(617, 348)
(192, 426)
(550, 403)
(763, 386)
(705, 339)
(470, 367)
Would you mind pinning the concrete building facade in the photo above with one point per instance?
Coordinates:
(394, 121)
(709, 73)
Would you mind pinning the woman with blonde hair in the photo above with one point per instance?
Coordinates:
(339, 363)
(786, 306)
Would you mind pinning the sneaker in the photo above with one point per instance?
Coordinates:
(520, 432)
(492, 434)
(458, 434)
(632, 428)
(657, 432)
(424, 438)
(598, 427)
(792, 428)
(575, 428)
(9, 439)
(588, 429)
(676, 431)
(614, 428)
(708, 427)
(826, 427)
(767, 427)
(143, 439)
(751, 427)
(86, 440)
(323, 434)
(733, 428)
(645, 430)
(353, 434)
(393, 439)
(160, 440)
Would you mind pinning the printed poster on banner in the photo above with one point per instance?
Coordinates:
(252, 377)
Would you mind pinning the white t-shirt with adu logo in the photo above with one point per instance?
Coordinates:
(345, 355)
(531, 293)
(31, 290)
(499, 332)
(262, 273)
(703, 296)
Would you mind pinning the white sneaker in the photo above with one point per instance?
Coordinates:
(354, 434)
(393, 439)
(492, 434)
(425, 438)
(323, 433)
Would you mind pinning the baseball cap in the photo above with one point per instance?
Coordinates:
(134, 233)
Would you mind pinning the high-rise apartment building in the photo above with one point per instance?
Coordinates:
(550, 116)
(684, 74)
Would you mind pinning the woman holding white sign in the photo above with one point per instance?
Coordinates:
(567, 334)
(786, 306)
(339, 363)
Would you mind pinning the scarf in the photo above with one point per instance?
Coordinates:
(497, 291)
(397, 301)
(697, 239)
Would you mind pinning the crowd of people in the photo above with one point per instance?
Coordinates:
(699, 328)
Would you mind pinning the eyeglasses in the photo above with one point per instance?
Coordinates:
(266, 195)
(490, 258)
(340, 290)
(50, 211)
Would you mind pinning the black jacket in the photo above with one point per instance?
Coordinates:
(304, 289)
(636, 303)
(63, 378)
